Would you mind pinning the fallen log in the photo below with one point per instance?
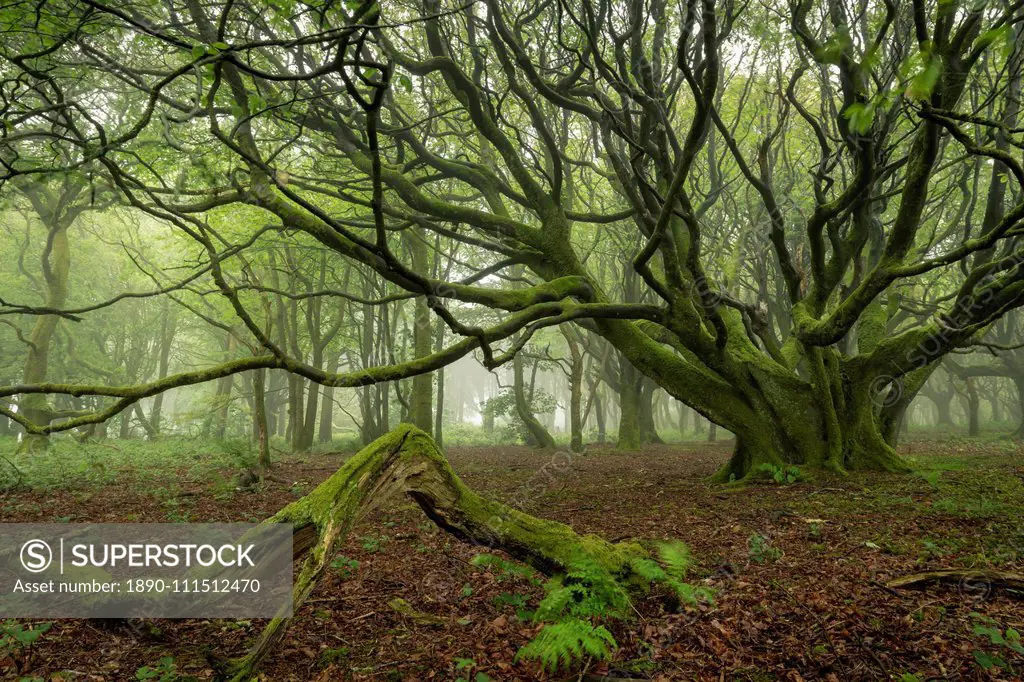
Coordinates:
(407, 461)
(1014, 581)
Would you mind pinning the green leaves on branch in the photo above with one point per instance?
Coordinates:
(923, 80)
(213, 49)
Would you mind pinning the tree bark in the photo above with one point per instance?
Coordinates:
(406, 461)
(56, 269)
(259, 418)
(537, 435)
(168, 325)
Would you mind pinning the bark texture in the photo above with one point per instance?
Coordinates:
(407, 461)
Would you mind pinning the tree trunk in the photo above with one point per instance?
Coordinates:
(168, 324)
(421, 398)
(648, 429)
(599, 415)
(973, 405)
(1018, 384)
(325, 433)
(223, 395)
(439, 408)
(406, 461)
(575, 390)
(56, 268)
(536, 435)
(259, 418)
(630, 435)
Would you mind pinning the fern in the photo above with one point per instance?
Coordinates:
(576, 601)
(675, 557)
(568, 641)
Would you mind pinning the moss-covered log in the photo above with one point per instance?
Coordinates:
(407, 461)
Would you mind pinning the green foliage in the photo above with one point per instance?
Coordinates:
(569, 641)
(587, 593)
(586, 590)
(70, 465)
(166, 670)
(1005, 641)
(16, 641)
(783, 475)
(761, 550)
(335, 656)
(345, 566)
(503, 405)
(465, 666)
(373, 543)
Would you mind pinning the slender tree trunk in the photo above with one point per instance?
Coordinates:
(599, 415)
(630, 435)
(575, 390)
(325, 433)
(421, 398)
(973, 405)
(56, 268)
(168, 324)
(439, 409)
(648, 429)
(537, 435)
(1018, 385)
(259, 418)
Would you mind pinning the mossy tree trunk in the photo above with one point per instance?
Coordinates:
(259, 418)
(57, 209)
(407, 461)
(168, 328)
(421, 397)
(574, 377)
(537, 435)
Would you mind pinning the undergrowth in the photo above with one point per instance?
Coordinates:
(579, 603)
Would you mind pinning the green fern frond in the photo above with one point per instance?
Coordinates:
(675, 557)
(568, 642)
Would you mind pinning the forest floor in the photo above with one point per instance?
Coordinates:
(798, 570)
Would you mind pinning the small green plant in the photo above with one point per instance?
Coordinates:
(336, 656)
(517, 601)
(588, 593)
(930, 550)
(464, 666)
(761, 550)
(568, 641)
(16, 642)
(783, 475)
(373, 544)
(345, 566)
(1005, 640)
(166, 670)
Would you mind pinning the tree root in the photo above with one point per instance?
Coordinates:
(407, 460)
(1013, 581)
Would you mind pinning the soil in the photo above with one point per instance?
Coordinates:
(806, 601)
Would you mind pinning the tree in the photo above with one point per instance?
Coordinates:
(536, 133)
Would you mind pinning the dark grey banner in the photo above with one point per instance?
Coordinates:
(145, 570)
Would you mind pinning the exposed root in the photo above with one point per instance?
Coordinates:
(407, 461)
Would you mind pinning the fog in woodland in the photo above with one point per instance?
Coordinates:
(248, 233)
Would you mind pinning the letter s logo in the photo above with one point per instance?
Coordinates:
(36, 556)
